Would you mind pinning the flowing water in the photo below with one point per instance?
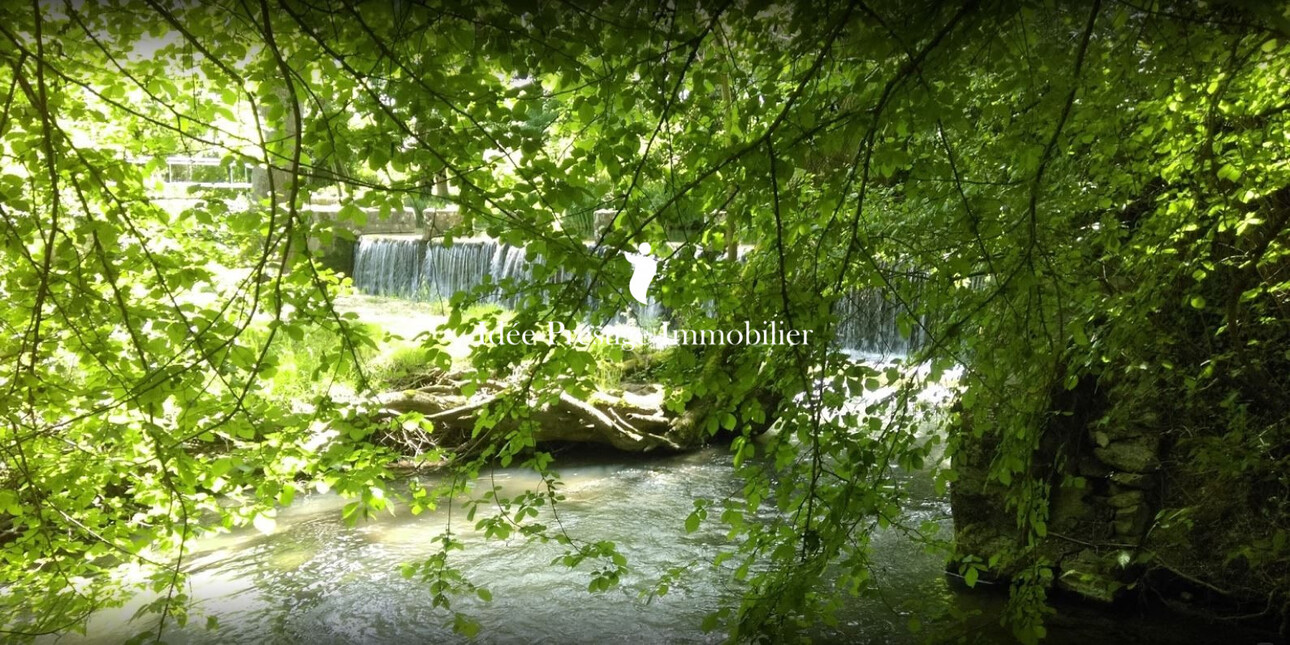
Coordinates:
(316, 581)
(406, 266)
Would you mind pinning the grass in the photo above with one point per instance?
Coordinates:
(403, 366)
(313, 362)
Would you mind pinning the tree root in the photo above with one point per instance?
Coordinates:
(624, 420)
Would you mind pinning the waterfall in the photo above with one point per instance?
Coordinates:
(406, 266)
(388, 265)
(867, 323)
(463, 266)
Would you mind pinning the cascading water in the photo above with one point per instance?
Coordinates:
(413, 268)
(388, 265)
(405, 266)
(868, 324)
(410, 267)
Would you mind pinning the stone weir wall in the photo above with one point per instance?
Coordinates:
(430, 223)
(338, 253)
(1105, 491)
(1114, 531)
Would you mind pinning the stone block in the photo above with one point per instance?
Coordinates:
(1069, 506)
(437, 221)
(1131, 522)
(1089, 576)
(1127, 499)
(1134, 480)
(1091, 467)
(1129, 456)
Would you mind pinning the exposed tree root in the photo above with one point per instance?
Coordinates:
(631, 420)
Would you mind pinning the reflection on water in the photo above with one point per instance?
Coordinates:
(315, 581)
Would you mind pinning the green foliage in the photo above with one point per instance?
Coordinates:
(1053, 195)
(304, 364)
(404, 367)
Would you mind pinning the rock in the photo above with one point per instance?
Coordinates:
(1134, 457)
(1134, 480)
(1069, 507)
(1089, 586)
(437, 221)
(986, 540)
(1092, 467)
(1131, 522)
(1113, 432)
(1126, 500)
(1086, 575)
(625, 420)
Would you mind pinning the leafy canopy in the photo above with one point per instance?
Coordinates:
(1050, 192)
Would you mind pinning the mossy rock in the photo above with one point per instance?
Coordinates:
(1091, 577)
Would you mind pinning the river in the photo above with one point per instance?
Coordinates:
(316, 581)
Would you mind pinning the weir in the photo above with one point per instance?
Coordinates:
(411, 267)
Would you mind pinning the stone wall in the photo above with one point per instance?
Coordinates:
(338, 252)
(1115, 527)
(1105, 492)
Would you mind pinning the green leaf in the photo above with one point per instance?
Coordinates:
(692, 521)
(465, 626)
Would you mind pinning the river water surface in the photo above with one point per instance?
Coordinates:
(316, 581)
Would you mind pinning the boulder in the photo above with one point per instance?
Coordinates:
(1126, 499)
